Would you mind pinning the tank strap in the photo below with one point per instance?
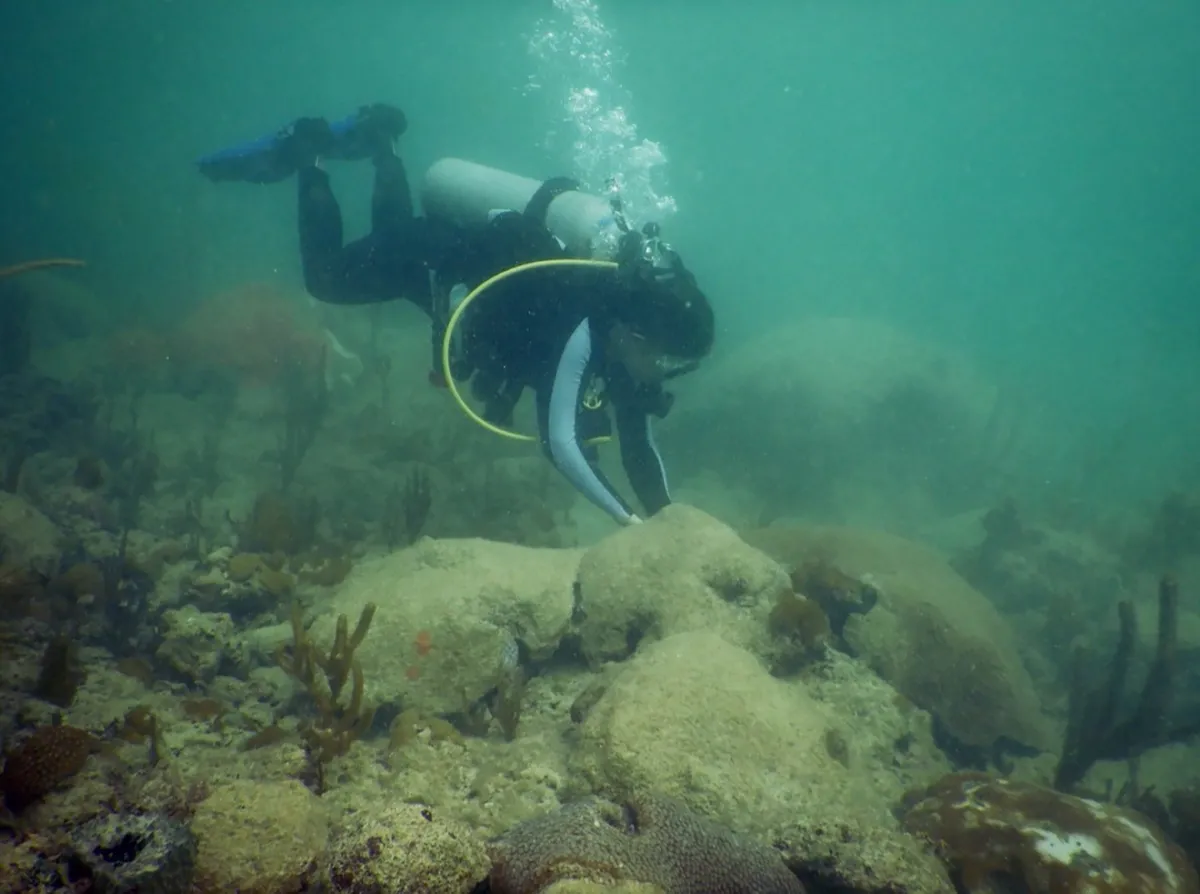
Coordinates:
(550, 190)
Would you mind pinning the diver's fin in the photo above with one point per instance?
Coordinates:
(271, 158)
(369, 132)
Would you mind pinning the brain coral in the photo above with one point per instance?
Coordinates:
(50, 756)
(990, 829)
(652, 840)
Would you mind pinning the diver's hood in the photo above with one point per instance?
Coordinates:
(662, 301)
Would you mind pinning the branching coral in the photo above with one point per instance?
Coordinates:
(336, 725)
(1095, 728)
(16, 337)
(406, 511)
(306, 401)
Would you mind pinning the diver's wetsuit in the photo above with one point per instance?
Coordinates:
(391, 262)
(544, 330)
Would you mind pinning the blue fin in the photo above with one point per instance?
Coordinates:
(256, 161)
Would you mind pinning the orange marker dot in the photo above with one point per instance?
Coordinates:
(424, 642)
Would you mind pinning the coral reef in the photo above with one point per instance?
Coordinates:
(37, 411)
(28, 539)
(991, 830)
(827, 404)
(196, 645)
(61, 673)
(861, 858)
(120, 853)
(306, 404)
(649, 839)
(1054, 585)
(406, 510)
(838, 594)
(279, 525)
(16, 333)
(1097, 728)
(1184, 820)
(253, 332)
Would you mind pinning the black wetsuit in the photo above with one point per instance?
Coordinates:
(545, 330)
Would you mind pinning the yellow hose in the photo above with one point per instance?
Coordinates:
(455, 317)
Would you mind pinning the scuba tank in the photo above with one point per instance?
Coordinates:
(469, 194)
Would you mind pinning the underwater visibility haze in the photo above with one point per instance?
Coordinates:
(561, 445)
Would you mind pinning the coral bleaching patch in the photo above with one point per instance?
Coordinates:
(1051, 843)
(449, 613)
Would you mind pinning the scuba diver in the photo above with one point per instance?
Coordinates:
(582, 335)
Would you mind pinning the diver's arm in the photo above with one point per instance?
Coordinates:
(560, 434)
(640, 456)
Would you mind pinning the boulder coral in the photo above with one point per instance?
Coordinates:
(683, 570)
(931, 634)
(991, 830)
(260, 838)
(449, 612)
(28, 539)
(832, 409)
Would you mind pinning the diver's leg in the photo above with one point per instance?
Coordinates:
(391, 200)
(320, 221)
(389, 263)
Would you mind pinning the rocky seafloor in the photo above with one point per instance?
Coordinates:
(220, 672)
(665, 709)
